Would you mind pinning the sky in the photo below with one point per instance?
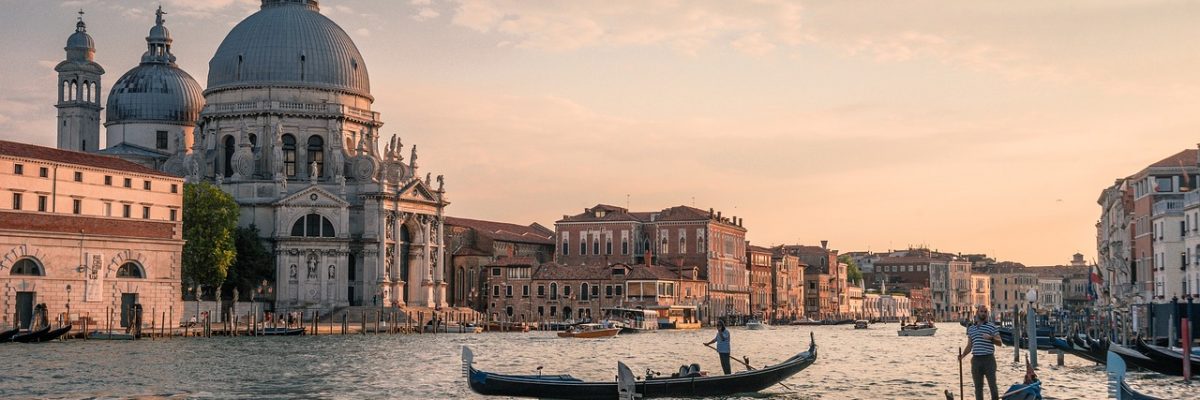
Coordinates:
(974, 127)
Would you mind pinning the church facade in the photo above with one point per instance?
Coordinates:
(285, 126)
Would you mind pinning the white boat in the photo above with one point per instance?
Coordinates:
(923, 329)
(757, 325)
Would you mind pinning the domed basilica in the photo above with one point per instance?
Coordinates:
(286, 127)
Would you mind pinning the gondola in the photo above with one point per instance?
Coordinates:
(1165, 356)
(1026, 391)
(1064, 344)
(54, 334)
(1117, 387)
(6, 336)
(1043, 341)
(1137, 359)
(31, 336)
(689, 384)
(281, 332)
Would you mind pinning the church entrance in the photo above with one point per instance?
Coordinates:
(405, 247)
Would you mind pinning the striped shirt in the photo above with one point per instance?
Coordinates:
(979, 345)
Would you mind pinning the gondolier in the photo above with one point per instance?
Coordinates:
(982, 338)
(722, 340)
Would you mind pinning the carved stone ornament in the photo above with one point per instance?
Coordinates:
(243, 157)
(365, 168)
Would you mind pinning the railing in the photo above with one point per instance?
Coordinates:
(331, 108)
(1167, 206)
(1191, 198)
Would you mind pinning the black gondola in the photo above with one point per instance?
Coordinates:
(687, 385)
(281, 332)
(1064, 344)
(6, 336)
(1165, 356)
(1137, 359)
(54, 334)
(31, 336)
(1044, 342)
(1117, 387)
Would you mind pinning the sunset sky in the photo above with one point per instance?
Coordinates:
(966, 126)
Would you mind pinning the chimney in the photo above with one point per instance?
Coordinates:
(710, 210)
(824, 244)
(718, 215)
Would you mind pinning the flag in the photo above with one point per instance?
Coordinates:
(1094, 279)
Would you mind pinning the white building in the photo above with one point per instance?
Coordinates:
(1170, 252)
(286, 127)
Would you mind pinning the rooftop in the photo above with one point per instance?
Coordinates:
(50, 154)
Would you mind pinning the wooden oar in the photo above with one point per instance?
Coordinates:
(747, 365)
(960, 375)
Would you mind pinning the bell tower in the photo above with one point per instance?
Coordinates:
(79, 93)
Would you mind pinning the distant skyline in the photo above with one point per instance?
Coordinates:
(973, 127)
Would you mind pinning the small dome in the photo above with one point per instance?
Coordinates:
(160, 32)
(80, 40)
(80, 46)
(289, 43)
(155, 92)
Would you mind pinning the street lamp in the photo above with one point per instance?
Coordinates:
(1031, 296)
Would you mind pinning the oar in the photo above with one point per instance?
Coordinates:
(747, 365)
(960, 375)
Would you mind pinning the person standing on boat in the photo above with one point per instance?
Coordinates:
(722, 340)
(982, 338)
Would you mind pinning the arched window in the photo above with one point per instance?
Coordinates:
(27, 266)
(228, 156)
(313, 225)
(74, 90)
(553, 291)
(316, 153)
(87, 90)
(289, 155)
(66, 94)
(130, 270)
(583, 292)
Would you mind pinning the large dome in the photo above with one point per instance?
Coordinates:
(155, 92)
(288, 43)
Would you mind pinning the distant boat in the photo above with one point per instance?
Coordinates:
(806, 322)
(590, 331)
(31, 336)
(281, 332)
(1117, 387)
(1165, 356)
(922, 329)
(861, 324)
(98, 335)
(6, 336)
(757, 325)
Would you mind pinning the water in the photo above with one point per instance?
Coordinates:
(852, 364)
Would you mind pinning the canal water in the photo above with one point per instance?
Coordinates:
(852, 364)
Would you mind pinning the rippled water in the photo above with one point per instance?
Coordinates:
(852, 364)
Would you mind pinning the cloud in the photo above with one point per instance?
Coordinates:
(426, 13)
(688, 27)
(364, 32)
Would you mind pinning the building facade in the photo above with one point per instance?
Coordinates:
(472, 244)
(85, 234)
(285, 126)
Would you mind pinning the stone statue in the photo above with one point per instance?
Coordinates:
(332, 272)
(412, 159)
(312, 267)
(243, 157)
(277, 155)
(293, 274)
(441, 183)
(313, 172)
(428, 178)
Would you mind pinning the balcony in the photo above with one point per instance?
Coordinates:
(1191, 199)
(1171, 206)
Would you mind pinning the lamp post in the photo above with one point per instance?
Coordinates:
(1031, 320)
(68, 321)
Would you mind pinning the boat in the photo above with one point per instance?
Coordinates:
(1166, 357)
(31, 336)
(1137, 359)
(861, 324)
(757, 325)
(590, 331)
(806, 322)
(6, 336)
(1117, 387)
(678, 317)
(1044, 339)
(1065, 345)
(98, 335)
(632, 320)
(54, 334)
(281, 331)
(453, 328)
(922, 329)
(1026, 391)
(498, 326)
(690, 384)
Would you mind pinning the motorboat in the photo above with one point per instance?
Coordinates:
(921, 329)
(590, 331)
(862, 324)
(757, 325)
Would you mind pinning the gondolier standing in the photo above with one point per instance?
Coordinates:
(982, 338)
(722, 340)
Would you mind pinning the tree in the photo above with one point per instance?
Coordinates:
(209, 221)
(253, 263)
(853, 274)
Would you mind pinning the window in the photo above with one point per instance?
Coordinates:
(42, 203)
(174, 214)
(619, 290)
(553, 291)
(160, 140)
(595, 291)
(77, 206)
(16, 201)
(130, 270)
(78, 176)
(107, 209)
(126, 210)
(145, 212)
(553, 310)
(18, 169)
(596, 245)
(608, 291)
(495, 271)
(525, 291)
(316, 153)
(43, 172)
(566, 290)
(313, 225)
(27, 266)
(507, 290)
(145, 185)
(541, 291)
(108, 180)
(228, 164)
(582, 248)
(566, 246)
(495, 290)
(541, 311)
(174, 188)
(583, 292)
(289, 155)
(625, 246)
(608, 246)
(128, 183)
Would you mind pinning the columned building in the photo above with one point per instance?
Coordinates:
(285, 126)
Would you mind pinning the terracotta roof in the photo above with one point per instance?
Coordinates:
(470, 251)
(1186, 158)
(552, 271)
(92, 226)
(50, 154)
(611, 213)
(507, 232)
(759, 249)
(683, 213)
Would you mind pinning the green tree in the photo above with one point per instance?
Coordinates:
(209, 221)
(853, 274)
(253, 263)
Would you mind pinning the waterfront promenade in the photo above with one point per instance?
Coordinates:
(868, 364)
